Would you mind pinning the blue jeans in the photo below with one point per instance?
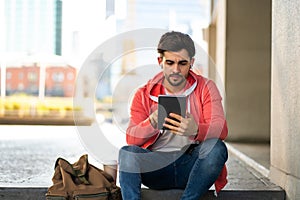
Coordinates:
(194, 170)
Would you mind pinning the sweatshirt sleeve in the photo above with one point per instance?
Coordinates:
(213, 124)
(140, 130)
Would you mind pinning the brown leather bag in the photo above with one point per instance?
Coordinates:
(81, 181)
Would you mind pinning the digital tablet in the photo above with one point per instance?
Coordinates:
(170, 104)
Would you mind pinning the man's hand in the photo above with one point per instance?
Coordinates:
(154, 119)
(180, 125)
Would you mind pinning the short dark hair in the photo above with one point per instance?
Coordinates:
(176, 41)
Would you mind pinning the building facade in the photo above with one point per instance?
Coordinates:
(32, 26)
(59, 80)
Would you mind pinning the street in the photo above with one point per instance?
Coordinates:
(28, 153)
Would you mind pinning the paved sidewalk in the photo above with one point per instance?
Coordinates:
(260, 152)
(28, 155)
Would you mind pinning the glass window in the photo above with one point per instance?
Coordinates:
(8, 86)
(58, 77)
(21, 75)
(32, 76)
(8, 75)
(20, 86)
(70, 76)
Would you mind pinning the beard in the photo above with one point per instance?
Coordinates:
(179, 79)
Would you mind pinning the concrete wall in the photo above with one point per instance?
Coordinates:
(243, 63)
(220, 34)
(216, 34)
(285, 106)
(248, 67)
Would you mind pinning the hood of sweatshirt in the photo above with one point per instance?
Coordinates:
(155, 87)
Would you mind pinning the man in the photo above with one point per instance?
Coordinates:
(191, 155)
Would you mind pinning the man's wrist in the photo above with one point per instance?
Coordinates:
(152, 122)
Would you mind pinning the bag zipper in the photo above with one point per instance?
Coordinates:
(91, 195)
(55, 197)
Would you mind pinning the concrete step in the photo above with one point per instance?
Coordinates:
(224, 195)
(246, 179)
(39, 194)
(244, 183)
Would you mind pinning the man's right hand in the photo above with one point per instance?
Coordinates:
(154, 119)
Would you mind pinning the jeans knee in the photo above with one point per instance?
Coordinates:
(221, 152)
(222, 149)
(125, 151)
(214, 148)
(130, 152)
(131, 157)
(132, 149)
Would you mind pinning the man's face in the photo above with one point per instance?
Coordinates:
(176, 66)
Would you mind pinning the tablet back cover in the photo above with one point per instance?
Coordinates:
(170, 104)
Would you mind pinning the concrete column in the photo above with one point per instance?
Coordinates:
(217, 46)
(212, 51)
(285, 99)
(220, 40)
(42, 82)
(248, 69)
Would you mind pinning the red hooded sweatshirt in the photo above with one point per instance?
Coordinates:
(204, 103)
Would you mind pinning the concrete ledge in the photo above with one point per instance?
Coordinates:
(39, 194)
(11, 193)
(224, 195)
(244, 182)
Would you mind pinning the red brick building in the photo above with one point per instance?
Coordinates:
(59, 80)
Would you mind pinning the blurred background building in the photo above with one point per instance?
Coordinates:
(31, 39)
(109, 18)
(32, 26)
(60, 80)
(74, 29)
